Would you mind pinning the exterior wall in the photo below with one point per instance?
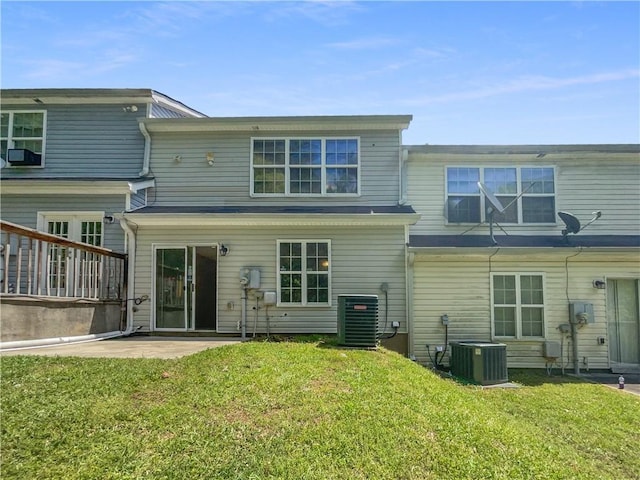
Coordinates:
(97, 141)
(585, 182)
(459, 285)
(362, 258)
(34, 319)
(23, 210)
(193, 182)
(138, 200)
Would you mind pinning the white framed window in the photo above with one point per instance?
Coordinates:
(85, 227)
(517, 305)
(312, 166)
(528, 192)
(23, 130)
(304, 272)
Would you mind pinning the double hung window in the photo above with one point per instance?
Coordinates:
(22, 130)
(305, 166)
(528, 193)
(518, 305)
(304, 273)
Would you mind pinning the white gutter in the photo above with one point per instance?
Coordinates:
(131, 260)
(147, 150)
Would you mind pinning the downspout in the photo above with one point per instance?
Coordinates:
(147, 150)
(131, 260)
(408, 281)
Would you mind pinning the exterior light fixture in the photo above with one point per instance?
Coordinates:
(223, 250)
(177, 159)
(599, 284)
(210, 158)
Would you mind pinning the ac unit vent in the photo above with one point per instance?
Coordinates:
(482, 363)
(21, 157)
(358, 320)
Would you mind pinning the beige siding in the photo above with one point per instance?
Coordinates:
(193, 182)
(361, 259)
(460, 287)
(585, 182)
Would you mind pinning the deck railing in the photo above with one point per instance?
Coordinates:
(34, 263)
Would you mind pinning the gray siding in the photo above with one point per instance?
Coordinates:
(585, 182)
(138, 200)
(87, 141)
(23, 210)
(158, 111)
(459, 286)
(193, 182)
(361, 260)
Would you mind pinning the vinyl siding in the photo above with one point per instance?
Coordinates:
(585, 182)
(138, 200)
(459, 286)
(193, 182)
(361, 260)
(23, 210)
(158, 111)
(87, 141)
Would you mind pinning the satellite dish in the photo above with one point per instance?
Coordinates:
(496, 206)
(573, 224)
(570, 221)
(495, 203)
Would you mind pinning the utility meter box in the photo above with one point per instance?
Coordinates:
(250, 277)
(551, 349)
(580, 312)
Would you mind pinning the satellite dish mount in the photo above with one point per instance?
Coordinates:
(494, 206)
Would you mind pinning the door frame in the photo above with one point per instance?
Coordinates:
(189, 317)
(617, 366)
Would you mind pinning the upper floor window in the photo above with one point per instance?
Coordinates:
(518, 305)
(305, 166)
(528, 193)
(22, 130)
(304, 272)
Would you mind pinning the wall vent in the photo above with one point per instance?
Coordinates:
(358, 320)
(482, 363)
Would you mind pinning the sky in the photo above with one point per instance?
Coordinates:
(469, 72)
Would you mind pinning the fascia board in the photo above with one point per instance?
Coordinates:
(75, 96)
(520, 251)
(242, 219)
(272, 124)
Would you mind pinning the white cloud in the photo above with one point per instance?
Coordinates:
(526, 84)
(365, 43)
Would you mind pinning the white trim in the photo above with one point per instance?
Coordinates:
(303, 273)
(518, 306)
(136, 186)
(483, 207)
(323, 166)
(255, 219)
(11, 142)
(187, 321)
(75, 218)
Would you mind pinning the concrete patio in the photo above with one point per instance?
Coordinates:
(130, 347)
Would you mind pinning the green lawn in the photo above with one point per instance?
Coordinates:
(303, 410)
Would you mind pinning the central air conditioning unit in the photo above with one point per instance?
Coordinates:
(482, 363)
(358, 320)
